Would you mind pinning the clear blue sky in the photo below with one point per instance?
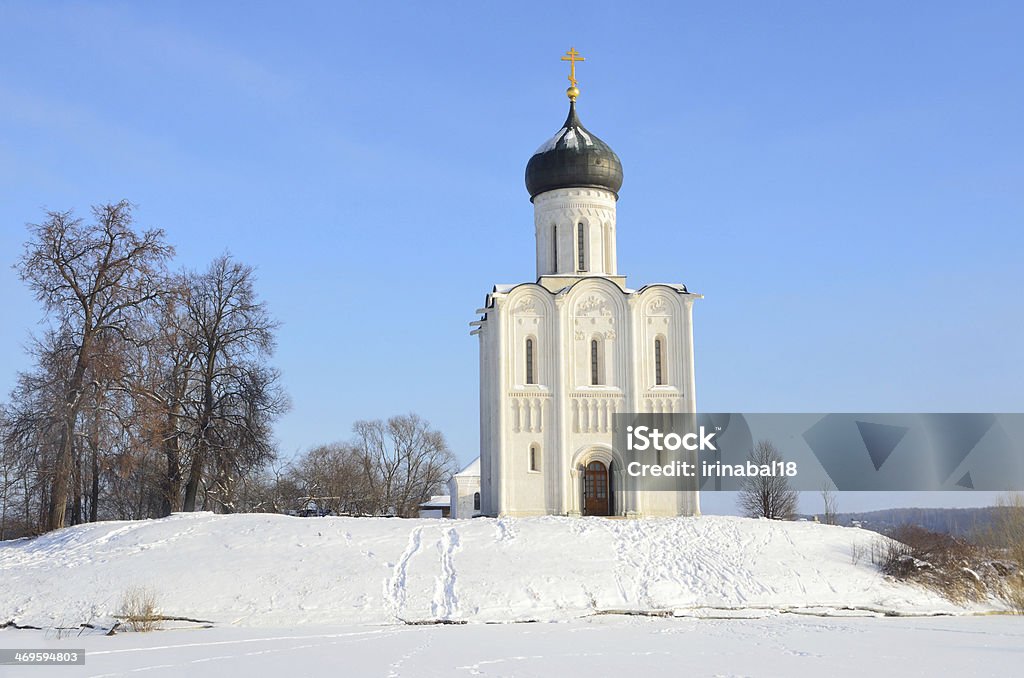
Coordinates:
(843, 181)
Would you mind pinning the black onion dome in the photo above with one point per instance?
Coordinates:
(573, 158)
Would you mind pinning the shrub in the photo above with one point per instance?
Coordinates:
(939, 561)
(138, 607)
(1012, 592)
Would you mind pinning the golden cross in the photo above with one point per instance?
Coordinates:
(572, 56)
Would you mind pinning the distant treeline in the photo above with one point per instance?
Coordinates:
(958, 522)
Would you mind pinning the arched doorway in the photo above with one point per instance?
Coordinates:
(595, 490)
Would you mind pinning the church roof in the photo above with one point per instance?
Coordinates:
(574, 158)
(473, 469)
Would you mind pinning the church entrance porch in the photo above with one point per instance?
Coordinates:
(596, 501)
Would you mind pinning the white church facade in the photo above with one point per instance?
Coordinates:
(560, 355)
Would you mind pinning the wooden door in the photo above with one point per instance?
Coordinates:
(595, 489)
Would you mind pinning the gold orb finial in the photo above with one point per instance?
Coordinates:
(572, 56)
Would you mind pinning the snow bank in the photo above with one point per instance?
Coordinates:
(272, 570)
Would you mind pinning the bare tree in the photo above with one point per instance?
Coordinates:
(95, 281)
(163, 377)
(334, 476)
(767, 496)
(830, 502)
(405, 461)
(235, 396)
(10, 473)
(272, 489)
(32, 423)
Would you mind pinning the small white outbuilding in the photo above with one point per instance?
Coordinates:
(464, 489)
(438, 506)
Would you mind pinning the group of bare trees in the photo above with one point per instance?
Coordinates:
(387, 468)
(150, 390)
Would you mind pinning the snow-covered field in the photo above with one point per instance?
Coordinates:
(779, 645)
(325, 596)
(276, 571)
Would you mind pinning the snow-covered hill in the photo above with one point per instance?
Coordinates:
(271, 570)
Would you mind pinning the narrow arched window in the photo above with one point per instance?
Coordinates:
(554, 248)
(476, 501)
(659, 377)
(534, 458)
(595, 363)
(581, 250)
(531, 377)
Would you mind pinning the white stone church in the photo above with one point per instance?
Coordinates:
(560, 355)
